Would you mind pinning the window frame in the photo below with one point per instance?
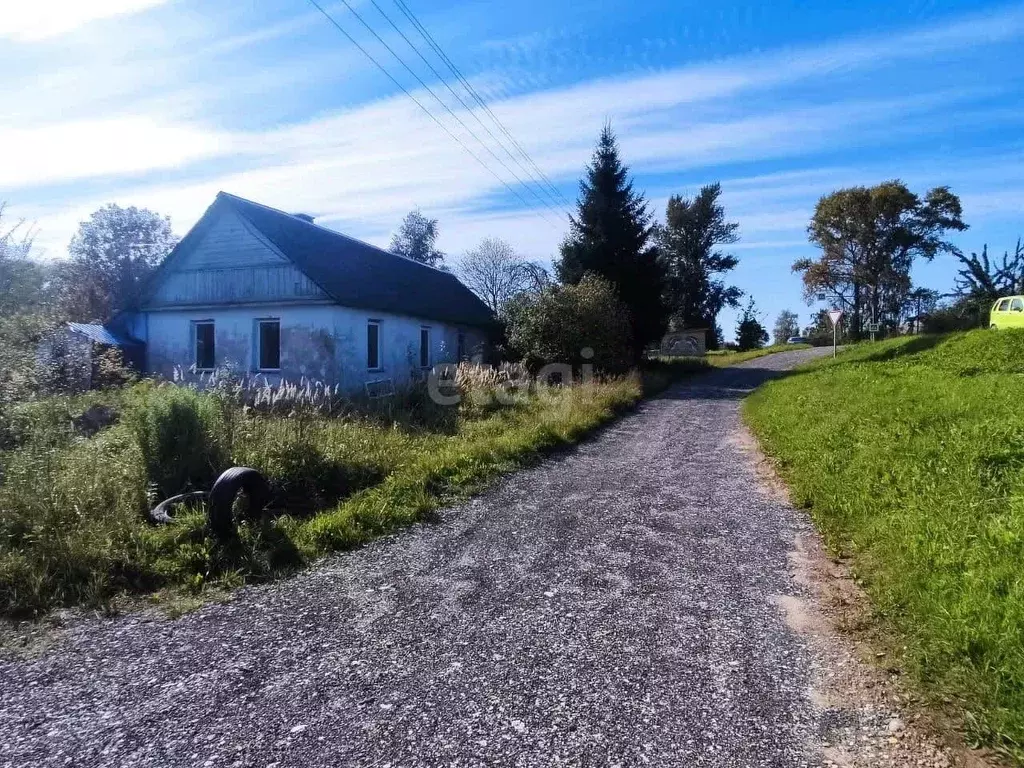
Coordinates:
(426, 353)
(379, 362)
(1017, 304)
(1003, 305)
(260, 322)
(196, 325)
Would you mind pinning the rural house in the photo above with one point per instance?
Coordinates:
(276, 294)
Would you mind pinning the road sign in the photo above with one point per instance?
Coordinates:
(874, 327)
(835, 315)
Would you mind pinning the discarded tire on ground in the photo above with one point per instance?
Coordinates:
(162, 512)
(224, 491)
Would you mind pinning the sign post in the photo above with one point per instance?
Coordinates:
(835, 315)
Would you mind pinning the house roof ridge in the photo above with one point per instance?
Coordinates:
(331, 231)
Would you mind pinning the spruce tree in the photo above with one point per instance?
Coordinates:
(611, 236)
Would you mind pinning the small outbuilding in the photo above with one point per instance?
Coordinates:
(686, 343)
(71, 353)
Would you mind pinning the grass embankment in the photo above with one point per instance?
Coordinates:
(72, 524)
(910, 455)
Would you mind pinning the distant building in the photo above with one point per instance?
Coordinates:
(276, 294)
(686, 343)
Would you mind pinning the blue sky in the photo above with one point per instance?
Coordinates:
(160, 103)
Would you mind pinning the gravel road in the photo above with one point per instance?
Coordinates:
(614, 605)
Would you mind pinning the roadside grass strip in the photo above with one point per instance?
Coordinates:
(909, 455)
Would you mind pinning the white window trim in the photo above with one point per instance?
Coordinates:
(259, 341)
(195, 345)
(380, 347)
(430, 351)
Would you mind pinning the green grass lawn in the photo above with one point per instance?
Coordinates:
(909, 454)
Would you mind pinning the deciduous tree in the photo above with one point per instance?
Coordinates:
(611, 236)
(787, 324)
(416, 238)
(869, 238)
(750, 334)
(112, 255)
(562, 321)
(496, 273)
(985, 279)
(23, 280)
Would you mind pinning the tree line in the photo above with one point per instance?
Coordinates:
(869, 239)
(620, 278)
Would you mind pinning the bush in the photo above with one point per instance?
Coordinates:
(180, 437)
(559, 323)
(964, 315)
(305, 477)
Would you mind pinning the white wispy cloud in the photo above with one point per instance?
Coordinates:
(33, 21)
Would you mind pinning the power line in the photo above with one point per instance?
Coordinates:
(470, 110)
(419, 104)
(425, 34)
(440, 101)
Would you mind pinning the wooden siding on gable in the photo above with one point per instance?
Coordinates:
(232, 265)
(230, 242)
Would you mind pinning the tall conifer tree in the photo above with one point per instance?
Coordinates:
(611, 236)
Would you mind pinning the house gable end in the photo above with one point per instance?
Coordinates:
(224, 261)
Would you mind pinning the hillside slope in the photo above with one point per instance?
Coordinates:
(910, 456)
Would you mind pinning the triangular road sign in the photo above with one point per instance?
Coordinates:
(834, 315)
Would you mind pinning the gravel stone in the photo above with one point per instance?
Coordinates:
(614, 605)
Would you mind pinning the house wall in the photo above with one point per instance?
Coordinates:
(323, 342)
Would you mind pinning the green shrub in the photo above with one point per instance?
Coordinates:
(180, 436)
(556, 325)
(306, 478)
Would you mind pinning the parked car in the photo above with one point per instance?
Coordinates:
(1008, 312)
(798, 340)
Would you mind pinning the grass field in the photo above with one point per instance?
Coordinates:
(909, 454)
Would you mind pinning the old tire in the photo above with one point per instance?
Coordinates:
(161, 513)
(222, 497)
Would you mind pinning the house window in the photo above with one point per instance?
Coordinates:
(373, 345)
(205, 358)
(460, 350)
(424, 347)
(268, 352)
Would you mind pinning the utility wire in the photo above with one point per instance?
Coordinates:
(441, 101)
(419, 104)
(533, 176)
(425, 34)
